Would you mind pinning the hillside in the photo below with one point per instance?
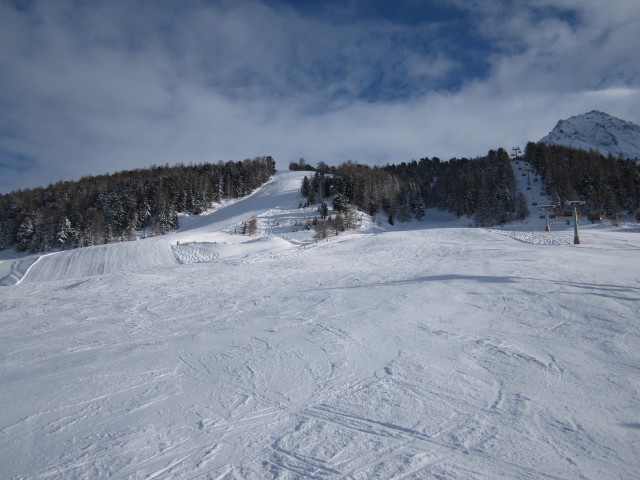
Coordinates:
(211, 228)
(97, 210)
(386, 352)
(597, 131)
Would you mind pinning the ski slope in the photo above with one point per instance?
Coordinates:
(389, 352)
(217, 226)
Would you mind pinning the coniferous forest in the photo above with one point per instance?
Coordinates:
(484, 187)
(118, 207)
(113, 208)
(609, 184)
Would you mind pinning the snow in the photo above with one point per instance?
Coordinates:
(388, 352)
(208, 252)
(535, 238)
(14, 268)
(597, 131)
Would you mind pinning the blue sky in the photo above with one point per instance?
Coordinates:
(89, 87)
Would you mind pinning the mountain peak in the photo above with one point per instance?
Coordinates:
(596, 130)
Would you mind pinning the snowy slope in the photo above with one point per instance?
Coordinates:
(597, 131)
(414, 353)
(214, 231)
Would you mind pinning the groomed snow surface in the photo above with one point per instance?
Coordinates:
(385, 353)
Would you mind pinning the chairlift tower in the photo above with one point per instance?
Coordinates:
(576, 236)
(546, 209)
(515, 152)
(617, 218)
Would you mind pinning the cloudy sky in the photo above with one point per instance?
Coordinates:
(90, 86)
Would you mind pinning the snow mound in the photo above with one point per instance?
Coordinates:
(99, 260)
(534, 238)
(205, 252)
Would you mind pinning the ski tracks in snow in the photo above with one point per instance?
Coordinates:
(444, 353)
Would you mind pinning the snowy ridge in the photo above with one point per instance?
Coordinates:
(597, 131)
(385, 353)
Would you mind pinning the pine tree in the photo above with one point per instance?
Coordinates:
(338, 224)
(419, 209)
(5, 236)
(323, 210)
(404, 209)
(64, 233)
(522, 210)
(307, 191)
(340, 203)
(322, 229)
(25, 235)
(251, 226)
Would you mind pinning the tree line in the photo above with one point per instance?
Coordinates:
(483, 187)
(112, 208)
(608, 184)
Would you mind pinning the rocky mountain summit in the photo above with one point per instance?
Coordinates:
(597, 130)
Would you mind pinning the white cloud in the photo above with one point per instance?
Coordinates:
(108, 88)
